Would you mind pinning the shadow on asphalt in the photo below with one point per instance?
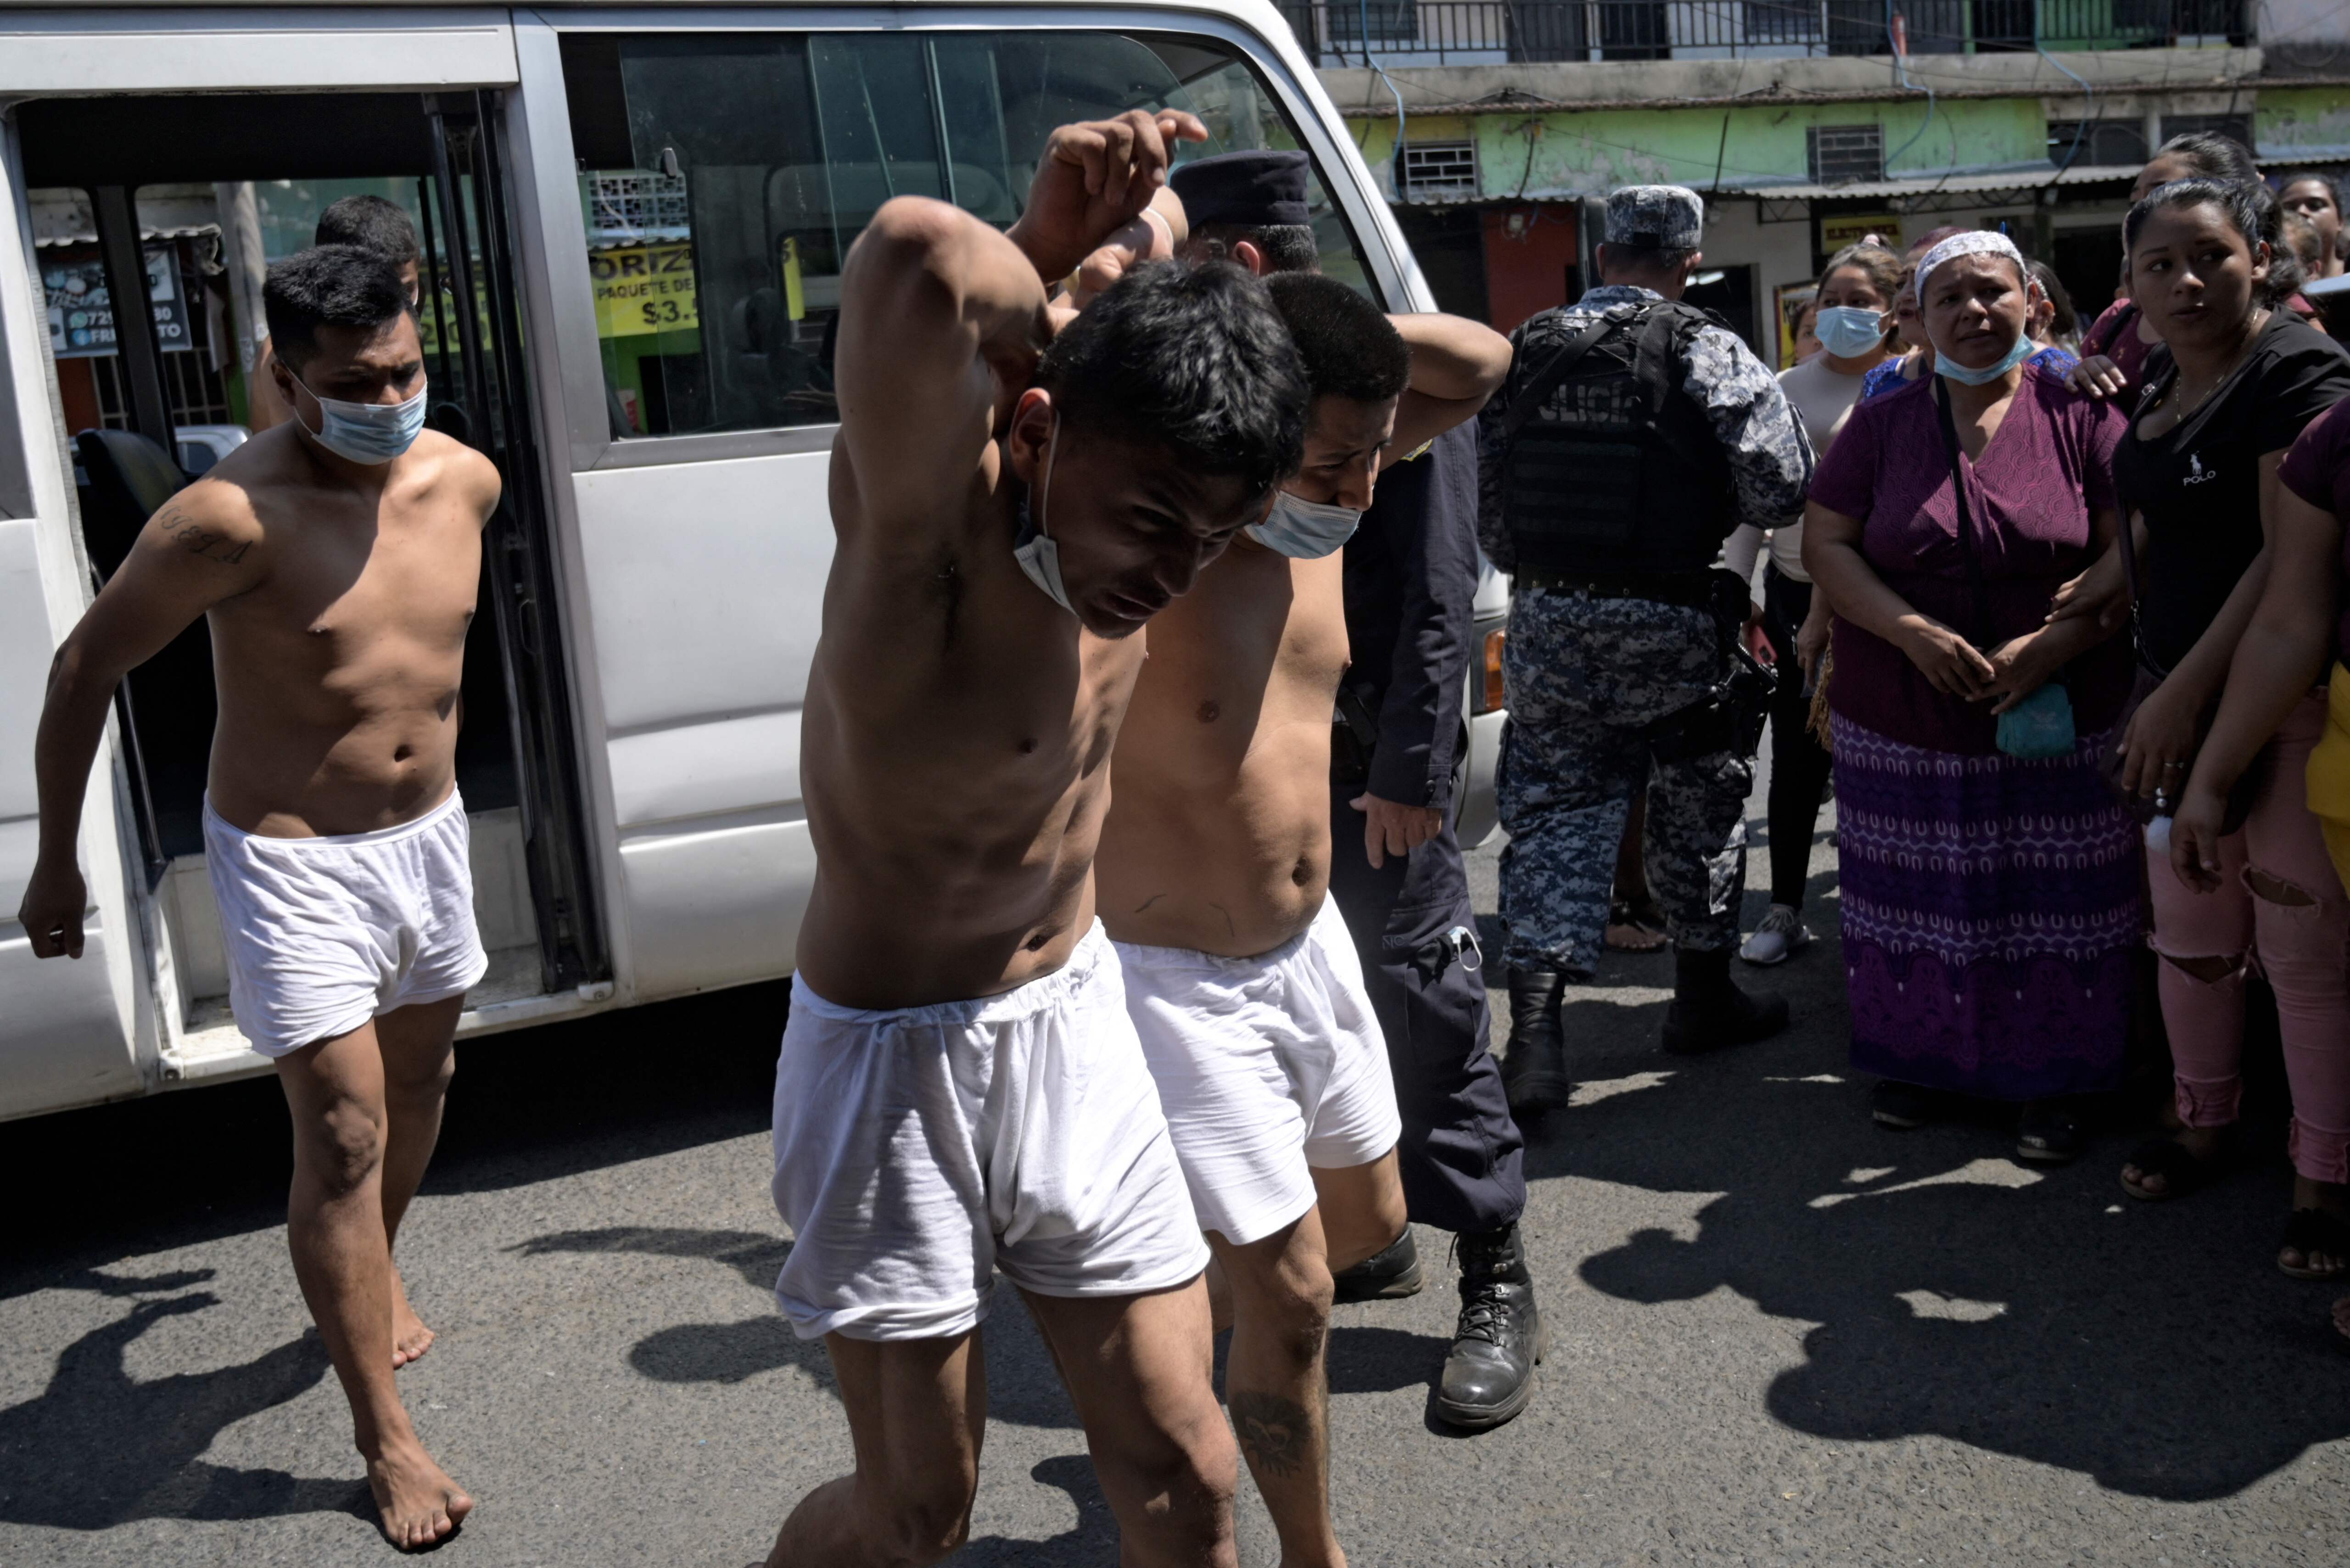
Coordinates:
(534, 1105)
(1955, 1292)
(1949, 1291)
(1023, 1385)
(96, 1448)
(1094, 1540)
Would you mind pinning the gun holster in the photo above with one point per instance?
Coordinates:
(1732, 715)
(1354, 736)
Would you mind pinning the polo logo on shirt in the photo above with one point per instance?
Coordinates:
(2195, 473)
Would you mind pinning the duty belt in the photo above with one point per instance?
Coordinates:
(1690, 590)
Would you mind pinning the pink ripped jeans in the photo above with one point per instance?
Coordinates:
(2281, 904)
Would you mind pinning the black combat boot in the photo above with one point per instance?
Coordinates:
(1389, 1274)
(1710, 1011)
(1533, 1073)
(1489, 1374)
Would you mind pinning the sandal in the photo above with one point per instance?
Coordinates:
(2182, 1170)
(2049, 1132)
(1635, 930)
(2314, 1230)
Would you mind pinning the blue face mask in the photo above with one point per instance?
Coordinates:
(1305, 530)
(1848, 331)
(1967, 376)
(368, 433)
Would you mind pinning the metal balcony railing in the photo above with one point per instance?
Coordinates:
(1487, 32)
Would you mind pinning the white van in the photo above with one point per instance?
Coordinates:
(634, 218)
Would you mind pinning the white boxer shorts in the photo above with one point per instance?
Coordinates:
(920, 1149)
(1267, 1066)
(324, 934)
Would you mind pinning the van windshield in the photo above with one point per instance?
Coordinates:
(724, 176)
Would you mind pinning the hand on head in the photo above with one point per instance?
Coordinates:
(1095, 176)
(1155, 234)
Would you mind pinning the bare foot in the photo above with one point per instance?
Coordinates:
(1633, 928)
(2341, 1317)
(409, 1337)
(419, 1505)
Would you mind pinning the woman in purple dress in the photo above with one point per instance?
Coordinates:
(1990, 899)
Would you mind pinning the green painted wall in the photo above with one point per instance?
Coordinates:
(1587, 151)
(2301, 117)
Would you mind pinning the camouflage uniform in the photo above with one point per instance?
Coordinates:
(1585, 674)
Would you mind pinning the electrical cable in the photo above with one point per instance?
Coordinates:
(1394, 160)
(1898, 39)
(2080, 127)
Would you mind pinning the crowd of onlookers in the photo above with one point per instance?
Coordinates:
(2058, 620)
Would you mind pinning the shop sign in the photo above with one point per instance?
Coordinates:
(1851, 228)
(81, 312)
(1788, 303)
(643, 289)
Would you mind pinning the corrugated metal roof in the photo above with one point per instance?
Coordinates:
(1922, 184)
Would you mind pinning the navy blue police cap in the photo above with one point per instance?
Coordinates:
(1253, 190)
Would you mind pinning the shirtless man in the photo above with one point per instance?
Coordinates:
(1215, 875)
(336, 557)
(959, 1090)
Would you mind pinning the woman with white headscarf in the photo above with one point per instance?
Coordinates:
(1989, 881)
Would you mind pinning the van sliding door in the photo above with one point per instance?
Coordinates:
(699, 180)
(469, 261)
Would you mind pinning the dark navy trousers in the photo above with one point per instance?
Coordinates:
(1460, 1153)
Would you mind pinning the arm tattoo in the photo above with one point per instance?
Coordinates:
(197, 540)
(1275, 1433)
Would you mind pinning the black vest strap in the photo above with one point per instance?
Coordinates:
(1562, 364)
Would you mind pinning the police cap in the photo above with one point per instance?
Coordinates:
(1656, 217)
(1257, 189)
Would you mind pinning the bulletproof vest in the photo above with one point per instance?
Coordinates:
(1608, 469)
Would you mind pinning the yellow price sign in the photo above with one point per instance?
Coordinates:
(1850, 229)
(644, 288)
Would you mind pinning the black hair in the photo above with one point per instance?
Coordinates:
(371, 224)
(1287, 247)
(2304, 176)
(1350, 349)
(2251, 210)
(1191, 360)
(2066, 320)
(1622, 257)
(2211, 156)
(2301, 237)
(328, 286)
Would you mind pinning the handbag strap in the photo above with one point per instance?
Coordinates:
(2128, 532)
(1967, 546)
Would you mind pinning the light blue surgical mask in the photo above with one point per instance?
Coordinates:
(1966, 375)
(1305, 530)
(1848, 331)
(1038, 557)
(369, 433)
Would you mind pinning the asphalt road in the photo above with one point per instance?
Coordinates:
(1779, 1333)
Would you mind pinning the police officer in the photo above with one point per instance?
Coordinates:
(1634, 433)
(1411, 572)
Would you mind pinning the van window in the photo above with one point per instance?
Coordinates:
(724, 176)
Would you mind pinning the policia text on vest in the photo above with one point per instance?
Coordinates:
(1621, 489)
